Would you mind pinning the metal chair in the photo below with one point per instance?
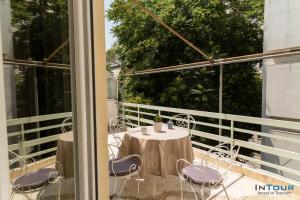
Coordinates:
(208, 176)
(124, 168)
(119, 124)
(67, 125)
(35, 180)
(185, 121)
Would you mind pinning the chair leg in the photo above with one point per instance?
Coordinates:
(139, 180)
(27, 196)
(59, 188)
(115, 187)
(12, 195)
(138, 189)
(202, 192)
(181, 192)
(122, 188)
(194, 192)
(42, 194)
(224, 188)
(154, 186)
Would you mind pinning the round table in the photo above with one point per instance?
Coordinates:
(65, 153)
(159, 151)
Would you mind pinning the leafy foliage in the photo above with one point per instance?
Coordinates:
(39, 27)
(223, 28)
(157, 118)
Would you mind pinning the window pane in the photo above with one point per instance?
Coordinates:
(35, 43)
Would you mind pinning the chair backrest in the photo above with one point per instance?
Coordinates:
(184, 121)
(14, 158)
(113, 151)
(225, 153)
(20, 162)
(119, 124)
(114, 160)
(67, 125)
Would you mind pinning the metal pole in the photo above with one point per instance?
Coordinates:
(217, 62)
(34, 63)
(139, 116)
(36, 100)
(21, 143)
(231, 136)
(173, 31)
(220, 97)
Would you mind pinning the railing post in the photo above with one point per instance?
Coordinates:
(21, 142)
(220, 97)
(189, 129)
(231, 136)
(123, 112)
(138, 115)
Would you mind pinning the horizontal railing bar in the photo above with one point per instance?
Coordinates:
(13, 147)
(202, 145)
(210, 136)
(144, 113)
(244, 119)
(253, 146)
(212, 125)
(132, 111)
(269, 135)
(38, 129)
(131, 124)
(197, 122)
(141, 119)
(41, 152)
(26, 120)
(237, 118)
(257, 147)
(239, 130)
(266, 149)
(141, 112)
(268, 164)
(43, 140)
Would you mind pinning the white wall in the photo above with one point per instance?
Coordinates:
(282, 30)
(281, 87)
(7, 48)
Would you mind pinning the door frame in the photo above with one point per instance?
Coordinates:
(4, 169)
(90, 95)
(89, 103)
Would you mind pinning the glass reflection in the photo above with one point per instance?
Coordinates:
(35, 43)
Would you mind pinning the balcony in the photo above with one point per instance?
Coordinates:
(250, 169)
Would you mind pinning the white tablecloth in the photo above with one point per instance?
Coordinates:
(159, 151)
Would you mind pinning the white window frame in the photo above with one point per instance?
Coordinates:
(90, 94)
(4, 170)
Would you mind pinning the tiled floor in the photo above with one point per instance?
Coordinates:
(238, 187)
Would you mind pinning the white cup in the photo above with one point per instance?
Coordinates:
(144, 130)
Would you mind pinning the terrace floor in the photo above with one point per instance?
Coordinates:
(239, 187)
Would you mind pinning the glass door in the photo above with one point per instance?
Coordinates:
(49, 123)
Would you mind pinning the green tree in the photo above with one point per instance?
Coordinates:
(223, 28)
(39, 28)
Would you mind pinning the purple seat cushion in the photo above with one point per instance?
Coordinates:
(35, 180)
(123, 168)
(202, 175)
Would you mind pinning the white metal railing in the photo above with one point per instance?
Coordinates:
(18, 132)
(140, 113)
